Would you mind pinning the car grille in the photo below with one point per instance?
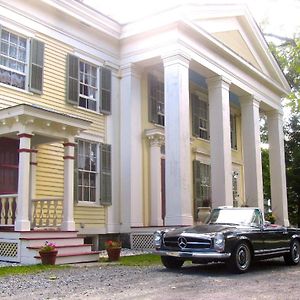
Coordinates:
(191, 243)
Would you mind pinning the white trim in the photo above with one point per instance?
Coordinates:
(91, 137)
(16, 27)
(89, 58)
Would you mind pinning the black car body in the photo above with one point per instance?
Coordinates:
(236, 236)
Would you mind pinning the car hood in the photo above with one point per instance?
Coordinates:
(200, 229)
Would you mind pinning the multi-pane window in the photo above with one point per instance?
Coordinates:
(202, 184)
(88, 86)
(200, 121)
(88, 90)
(13, 59)
(156, 100)
(93, 172)
(87, 171)
(233, 135)
(235, 190)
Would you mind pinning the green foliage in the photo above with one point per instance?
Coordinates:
(266, 173)
(19, 270)
(288, 57)
(292, 152)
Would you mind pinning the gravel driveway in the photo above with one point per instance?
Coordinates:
(265, 280)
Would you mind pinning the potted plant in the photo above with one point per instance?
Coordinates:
(48, 253)
(113, 249)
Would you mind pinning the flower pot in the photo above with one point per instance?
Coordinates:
(113, 254)
(48, 258)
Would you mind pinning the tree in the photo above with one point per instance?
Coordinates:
(287, 54)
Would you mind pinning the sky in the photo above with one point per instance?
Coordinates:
(279, 17)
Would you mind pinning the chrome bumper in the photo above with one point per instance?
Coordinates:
(191, 255)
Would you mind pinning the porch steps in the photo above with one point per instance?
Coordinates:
(71, 248)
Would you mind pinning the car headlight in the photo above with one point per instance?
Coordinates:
(157, 239)
(219, 242)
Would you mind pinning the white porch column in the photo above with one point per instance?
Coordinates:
(131, 192)
(220, 145)
(33, 165)
(22, 222)
(252, 152)
(68, 223)
(177, 140)
(156, 140)
(277, 167)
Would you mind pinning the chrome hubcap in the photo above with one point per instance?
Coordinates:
(295, 252)
(243, 257)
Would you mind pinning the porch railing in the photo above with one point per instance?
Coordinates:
(8, 207)
(47, 212)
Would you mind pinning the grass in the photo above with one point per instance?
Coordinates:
(142, 260)
(6, 271)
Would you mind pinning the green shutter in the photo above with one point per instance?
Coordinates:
(72, 79)
(105, 175)
(152, 98)
(195, 116)
(197, 186)
(76, 173)
(36, 66)
(105, 91)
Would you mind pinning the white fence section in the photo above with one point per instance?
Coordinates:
(8, 206)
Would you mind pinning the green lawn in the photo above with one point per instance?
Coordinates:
(136, 260)
(5, 271)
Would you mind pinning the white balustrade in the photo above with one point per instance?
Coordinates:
(8, 205)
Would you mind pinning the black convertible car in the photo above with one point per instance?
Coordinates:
(236, 236)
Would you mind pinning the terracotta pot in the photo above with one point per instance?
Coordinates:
(48, 258)
(113, 254)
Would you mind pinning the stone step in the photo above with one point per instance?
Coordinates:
(58, 241)
(91, 256)
(69, 249)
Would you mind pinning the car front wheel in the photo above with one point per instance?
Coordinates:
(293, 257)
(171, 262)
(240, 258)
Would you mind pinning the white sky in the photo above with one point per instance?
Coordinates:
(280, 17)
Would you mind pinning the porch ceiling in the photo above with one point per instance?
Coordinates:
(45, 124)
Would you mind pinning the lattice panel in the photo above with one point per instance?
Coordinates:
(8, 249)
(141, 241)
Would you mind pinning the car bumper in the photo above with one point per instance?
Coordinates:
(194, 255)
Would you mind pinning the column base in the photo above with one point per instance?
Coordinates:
(22, 225)
(68, 226)
(179, 220)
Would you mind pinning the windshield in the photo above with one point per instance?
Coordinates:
(235, 217)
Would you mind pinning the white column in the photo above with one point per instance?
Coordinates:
(68, 223)
(220, 145)
(177, 140)
(22, 222)
(156, 140)
(113, 138)
(131, 193)
(277, 167)
(252, 152)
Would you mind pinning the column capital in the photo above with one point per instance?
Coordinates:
(274, 114)
(249, 100)
(218, 81)
(25, 135)
(130, 70)
(176, 57)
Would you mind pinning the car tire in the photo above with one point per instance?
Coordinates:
(240, 259)
(293, 257)
(171, 262)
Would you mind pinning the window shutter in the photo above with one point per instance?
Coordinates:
(105, 91)
(72, 79)
(152, 98)
(195, 115)
(36, 66)
(197, 186)
(76, 173)
(105, 175)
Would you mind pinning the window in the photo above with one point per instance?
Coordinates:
(156, 100)
(200, 120)
(233, 137)
(202, 185)
(235, 189)
(88, 85)
(93, 172)
(14, 64)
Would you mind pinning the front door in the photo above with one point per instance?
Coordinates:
(9, 164)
